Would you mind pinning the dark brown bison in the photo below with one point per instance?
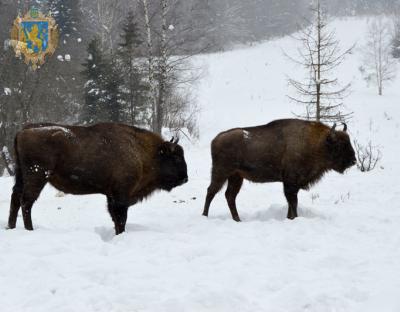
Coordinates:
(292, 151)
(122, 162)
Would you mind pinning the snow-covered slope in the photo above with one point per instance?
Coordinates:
(342, 254)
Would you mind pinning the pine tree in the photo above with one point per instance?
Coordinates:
(70, 53)
(135, 87)
(131, 40)
(112, 95)
(396, 39)
(68, 16)
(94, 92)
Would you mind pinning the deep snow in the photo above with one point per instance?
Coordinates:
(342, 254)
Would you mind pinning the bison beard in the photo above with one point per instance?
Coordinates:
(122, 162)
(292, 151)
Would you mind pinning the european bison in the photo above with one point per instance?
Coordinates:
(122, 162)
(292, 151)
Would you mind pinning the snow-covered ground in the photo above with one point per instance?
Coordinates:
(342, 254)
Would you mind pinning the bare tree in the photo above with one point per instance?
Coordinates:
(182, 114)
(379, 66)
(104, 18)
(151, 65)
(163, 66)
(320, 55)
(168, 69)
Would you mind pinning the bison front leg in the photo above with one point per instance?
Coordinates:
(291, 197)
(33, 186)
(119, 214)
(16, 198)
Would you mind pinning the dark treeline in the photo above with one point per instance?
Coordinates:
(100, 70)
(361, 7)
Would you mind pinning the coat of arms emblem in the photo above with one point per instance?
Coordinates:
(35, 36)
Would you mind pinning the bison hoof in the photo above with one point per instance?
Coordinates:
(10, 227)
(205, 214)
(237, 219)
(291, 217)
(29, 228)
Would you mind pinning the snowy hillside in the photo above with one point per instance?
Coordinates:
(341, 254)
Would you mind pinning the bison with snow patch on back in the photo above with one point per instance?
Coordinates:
(292, 151)
(124, 163)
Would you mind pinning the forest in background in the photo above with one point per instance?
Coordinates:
(100, 70)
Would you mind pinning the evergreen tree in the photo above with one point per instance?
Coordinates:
(93, 89)
(131, 40)
(135, 87)
(111, 100)
(68, 16)
(396, 40)
(102, 88)
(70, 53)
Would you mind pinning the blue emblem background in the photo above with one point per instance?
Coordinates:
(43, 27)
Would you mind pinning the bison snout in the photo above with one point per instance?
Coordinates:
(185, 180)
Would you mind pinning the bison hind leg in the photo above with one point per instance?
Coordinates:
(215, 186)
(234, 185)
(291, 197)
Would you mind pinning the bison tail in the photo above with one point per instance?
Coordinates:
(19, 183)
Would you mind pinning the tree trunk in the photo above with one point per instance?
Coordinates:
(162, 66)
(150, 60)
(318, 108)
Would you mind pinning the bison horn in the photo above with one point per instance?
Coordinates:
(174, 141)
(333, 127)
(344, 126)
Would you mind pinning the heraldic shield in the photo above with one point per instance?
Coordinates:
(35, 36)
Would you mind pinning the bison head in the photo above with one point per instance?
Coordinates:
(173, 170)
(340, 151)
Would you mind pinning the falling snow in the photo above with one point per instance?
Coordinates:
(7, 91)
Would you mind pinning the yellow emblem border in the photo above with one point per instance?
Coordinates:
(20, 47)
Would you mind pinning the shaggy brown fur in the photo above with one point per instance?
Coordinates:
(122, 162)
(292, 151)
